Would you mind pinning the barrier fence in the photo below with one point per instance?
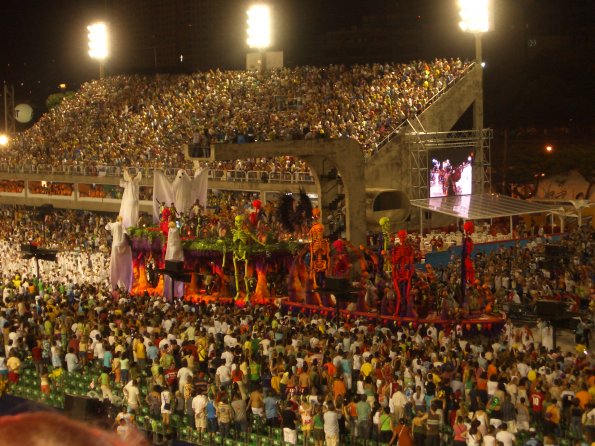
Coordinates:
(259, 176)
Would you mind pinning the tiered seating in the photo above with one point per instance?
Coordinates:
(144, 121)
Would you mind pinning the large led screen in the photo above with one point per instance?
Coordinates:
(450, 172)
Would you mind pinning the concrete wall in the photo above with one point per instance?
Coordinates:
(390, 167)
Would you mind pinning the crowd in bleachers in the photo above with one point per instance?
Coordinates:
(12, 186)
(59, 229)
(132, 120)
(203, 369)
(51, 188)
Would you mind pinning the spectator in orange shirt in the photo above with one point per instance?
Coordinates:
(584, 396)
(552, 418)
(492, 370)
(339, 389)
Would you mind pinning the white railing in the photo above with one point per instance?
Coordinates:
(254, 176)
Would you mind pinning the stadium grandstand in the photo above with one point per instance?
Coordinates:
(141, 121)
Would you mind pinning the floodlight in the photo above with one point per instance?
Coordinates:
(4, 139)
(475, 15)
(259, 27)
(98, 41)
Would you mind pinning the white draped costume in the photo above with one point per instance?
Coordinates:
(121, 259)
(547, 336)
(129, 204)
(183, 191)
(173, 251)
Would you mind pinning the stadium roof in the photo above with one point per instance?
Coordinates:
(484, 206)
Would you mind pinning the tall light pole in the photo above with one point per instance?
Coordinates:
(259, 31)
(476, 19)
(99, 44)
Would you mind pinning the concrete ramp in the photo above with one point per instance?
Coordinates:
(443, 114)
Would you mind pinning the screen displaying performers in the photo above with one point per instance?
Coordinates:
(450, 172)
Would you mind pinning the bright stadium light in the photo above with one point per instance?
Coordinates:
(98, 43)
(475, 16)
(4, 140)
(259, 27)
(259, 31)
(476, 19)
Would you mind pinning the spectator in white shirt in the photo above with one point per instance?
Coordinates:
(199, 406)
(223, 375)
(132, 394)
(184, 376)
(72, 360)
(505, 437)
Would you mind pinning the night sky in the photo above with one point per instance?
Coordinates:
(44, 44)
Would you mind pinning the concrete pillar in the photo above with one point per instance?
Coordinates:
(355, 200)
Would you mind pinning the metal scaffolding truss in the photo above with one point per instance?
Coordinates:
(421, 143)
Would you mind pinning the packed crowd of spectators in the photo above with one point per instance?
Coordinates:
(65, 230)
(132, 120)
(220, 368)
(12, 186)
(51, 188)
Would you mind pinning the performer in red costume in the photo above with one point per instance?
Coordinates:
(402, 268)
(340, 259)
(165, 218)
(467, 271)
(319, 251)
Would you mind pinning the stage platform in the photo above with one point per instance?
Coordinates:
(475, 323)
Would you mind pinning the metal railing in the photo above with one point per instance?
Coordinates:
(256, 176)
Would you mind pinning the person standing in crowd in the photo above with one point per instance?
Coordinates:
(224, 416)
(132, 395)
(331, 425)
(318, 433)
(505, 437)
(459, 432)
(238, 405)
(167, 401)
(385, 426)
(271, 408)
(288, 423)
(364, 417)
(401, 434)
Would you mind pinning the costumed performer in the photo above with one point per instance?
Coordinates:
(402, 273)
(130, 197)
(319, 251)
(174, 251)
(384, 245)
(121, 275)
(241, 237)
(467, 270)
